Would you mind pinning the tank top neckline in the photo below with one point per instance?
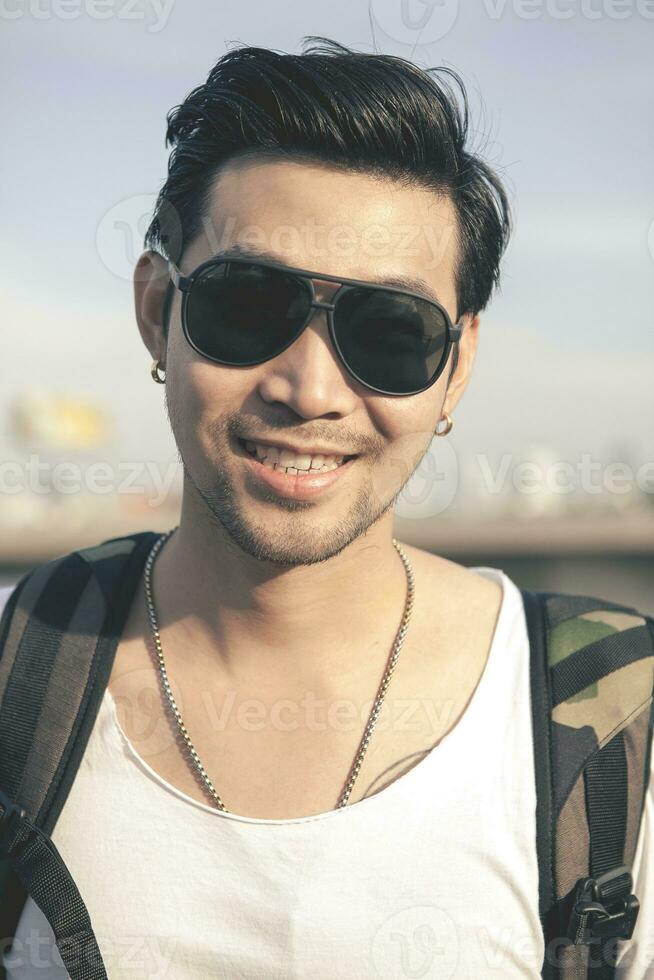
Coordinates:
(446, 744)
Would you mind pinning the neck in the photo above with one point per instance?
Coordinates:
(245, 616)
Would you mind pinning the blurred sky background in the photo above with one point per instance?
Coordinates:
(561, 94)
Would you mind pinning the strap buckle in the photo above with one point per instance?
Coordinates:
(603, 907)
(9, 819)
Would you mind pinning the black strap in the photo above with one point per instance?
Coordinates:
(605, 779)
(35, 865)
(41, 870)
(541, 710)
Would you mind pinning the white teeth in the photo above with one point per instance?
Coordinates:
(284, 459)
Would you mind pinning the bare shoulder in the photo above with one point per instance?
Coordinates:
(448, 587)
(456, 614)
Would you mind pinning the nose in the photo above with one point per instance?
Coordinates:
(309, 376)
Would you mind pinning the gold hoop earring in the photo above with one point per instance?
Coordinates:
(450, 423)
(154, 371)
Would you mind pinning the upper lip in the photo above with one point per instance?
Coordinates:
(298, 450)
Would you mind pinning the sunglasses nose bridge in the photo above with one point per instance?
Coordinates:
(329, 308)
(317, 305)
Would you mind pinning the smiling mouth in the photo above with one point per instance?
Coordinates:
(274, 466)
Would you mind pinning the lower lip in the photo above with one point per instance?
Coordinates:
(297, 486)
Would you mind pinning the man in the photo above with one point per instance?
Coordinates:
(354, 792)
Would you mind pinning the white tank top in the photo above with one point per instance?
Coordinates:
(434, 876)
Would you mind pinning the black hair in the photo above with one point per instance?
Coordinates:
(369, 113)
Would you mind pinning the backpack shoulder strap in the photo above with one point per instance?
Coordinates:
(58, 637)
(592, 679)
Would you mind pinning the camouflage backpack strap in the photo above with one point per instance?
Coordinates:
(592, 680)
(58, 636)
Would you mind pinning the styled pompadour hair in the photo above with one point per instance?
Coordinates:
(369, 113)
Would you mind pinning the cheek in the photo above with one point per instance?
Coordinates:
(410, 421)
(406, 426)
(211, 397)
(194, 399)
(204, 389)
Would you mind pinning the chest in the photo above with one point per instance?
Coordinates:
(282, 751)
(283, 757)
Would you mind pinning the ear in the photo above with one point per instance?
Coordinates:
(150, 281)
(467, 350)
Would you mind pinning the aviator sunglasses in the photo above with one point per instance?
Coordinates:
(243, 311)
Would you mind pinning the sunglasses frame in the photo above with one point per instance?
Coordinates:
(185, 283)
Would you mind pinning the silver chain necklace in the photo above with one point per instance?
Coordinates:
(376, 708)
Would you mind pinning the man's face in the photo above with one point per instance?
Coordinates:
(308, 217)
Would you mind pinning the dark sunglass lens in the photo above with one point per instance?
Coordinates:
(243, 313)
(390, 340)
